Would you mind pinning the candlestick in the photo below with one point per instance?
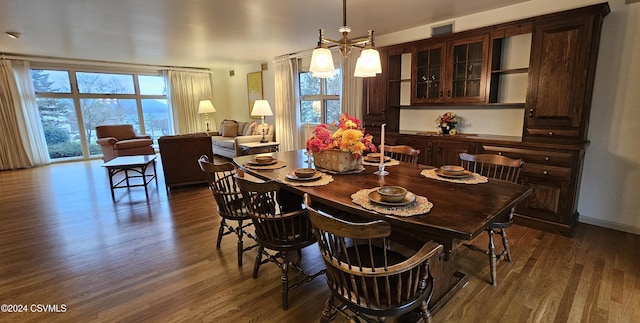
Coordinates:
(308, 132)
(381, 170)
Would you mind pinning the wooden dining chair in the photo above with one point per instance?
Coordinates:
(276, 230)
(497, 167)
(229, 202)
(402, 153)
(365, 274)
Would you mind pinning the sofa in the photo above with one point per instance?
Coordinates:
(121, 140)
(231, 134)
(179, 156)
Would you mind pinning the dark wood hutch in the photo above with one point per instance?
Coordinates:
(465, 69)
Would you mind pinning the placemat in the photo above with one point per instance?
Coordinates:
(392, 162)
(475, 179)
(323, 180)
(420, 206)
(278, 164)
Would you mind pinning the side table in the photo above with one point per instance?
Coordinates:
(251, 148)
(136, 164)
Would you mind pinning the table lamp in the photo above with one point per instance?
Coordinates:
(206, 107)
(261, 108)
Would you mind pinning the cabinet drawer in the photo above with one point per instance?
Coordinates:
(554, 172)
(553, 133)
(542, 157)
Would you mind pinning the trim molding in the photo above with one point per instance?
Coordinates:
(610, 224)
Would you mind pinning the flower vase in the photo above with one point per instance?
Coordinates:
(337, 160)
(445, 130)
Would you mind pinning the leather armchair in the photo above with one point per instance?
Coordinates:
(121, 140)
(179, 155)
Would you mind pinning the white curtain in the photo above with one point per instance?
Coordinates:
(286, 107)
(186, 89)
(22, 142)
(351, 86)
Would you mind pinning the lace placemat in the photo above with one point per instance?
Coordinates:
(355, 171)
(475, 179)
(420, 206)
(323, 180)
(392, 162)
(278, 164)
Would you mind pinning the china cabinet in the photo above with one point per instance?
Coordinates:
(544, 64)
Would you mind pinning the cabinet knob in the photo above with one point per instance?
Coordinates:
(500, 153)
(546, 158)
(531, 112)
(449, 93)
(441, 94)
(544, 172)
(550, 133)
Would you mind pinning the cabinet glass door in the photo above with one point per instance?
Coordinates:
(428, 75)
(467, 70)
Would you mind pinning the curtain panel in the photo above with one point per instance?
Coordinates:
(286, 105)
(22, 142)
(186, 89)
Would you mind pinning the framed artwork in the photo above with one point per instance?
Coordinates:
(254, 89)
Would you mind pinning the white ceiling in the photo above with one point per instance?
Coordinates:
(205, 33)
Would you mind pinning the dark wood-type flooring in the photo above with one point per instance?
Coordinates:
(65, 243)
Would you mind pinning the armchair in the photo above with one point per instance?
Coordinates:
(121, 140)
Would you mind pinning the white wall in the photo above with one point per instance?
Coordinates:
(611, 178)
(230, 95)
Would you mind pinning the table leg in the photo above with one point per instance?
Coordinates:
(110, 172)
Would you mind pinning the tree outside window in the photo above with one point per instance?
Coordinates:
(320, 99)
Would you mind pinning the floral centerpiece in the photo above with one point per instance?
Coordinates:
(341, 151)
(447, 123)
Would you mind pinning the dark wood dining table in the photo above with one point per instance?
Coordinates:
(460, 211)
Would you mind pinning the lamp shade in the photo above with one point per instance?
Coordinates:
(261, 108)
(321, 63)
(368, 64)
(206, 107)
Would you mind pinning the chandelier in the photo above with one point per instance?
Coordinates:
(367, 65)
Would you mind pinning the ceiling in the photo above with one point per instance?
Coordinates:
(205, 33)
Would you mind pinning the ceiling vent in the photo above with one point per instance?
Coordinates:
(440, 30)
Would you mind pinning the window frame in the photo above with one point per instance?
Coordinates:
(76, 97)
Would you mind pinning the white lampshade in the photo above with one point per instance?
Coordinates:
(322, 63)
(206, 107)
(261, 108)
(368, 64)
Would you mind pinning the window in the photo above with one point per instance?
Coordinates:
(102, 98)
(320, 100)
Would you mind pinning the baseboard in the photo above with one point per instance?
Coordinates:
(610, 224)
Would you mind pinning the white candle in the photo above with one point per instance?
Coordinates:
(308, 132)
(382, 143)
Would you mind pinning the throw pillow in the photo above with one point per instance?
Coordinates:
(223, 122)
(250, 129)
(229, 129)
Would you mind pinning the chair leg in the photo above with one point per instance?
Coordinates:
(221, 232)
(492, 258)
(285, 281)
(329, 310)
(256, 267)
(425, 313)
(240, 232)
(505, 244)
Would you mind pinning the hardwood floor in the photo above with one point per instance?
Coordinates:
(64, 242)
